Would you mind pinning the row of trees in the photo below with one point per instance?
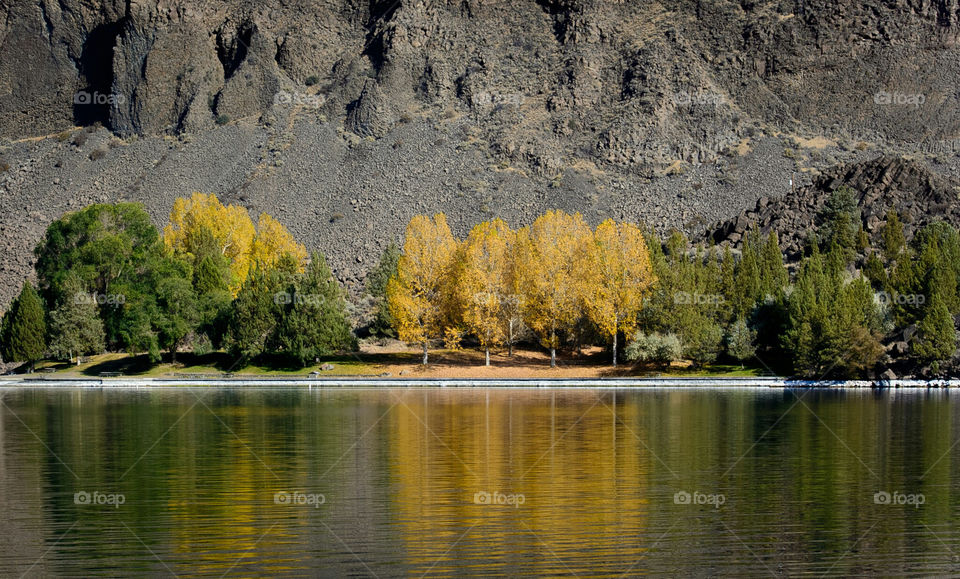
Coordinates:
(570, 284)
(545, 276)
(107, 280)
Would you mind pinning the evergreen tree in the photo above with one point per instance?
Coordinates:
(773, 274)
(23, 330)
(840, 220)
(893, 241)
(874, 271)
(256, 313)
(75, 326)
(703, 342)
(377, 281)
(936, 336)
(314, 322)
(748, 281)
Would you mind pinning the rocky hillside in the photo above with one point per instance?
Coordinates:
(917, 194)
(346, 117)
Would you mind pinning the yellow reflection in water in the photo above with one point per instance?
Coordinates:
(563, 455)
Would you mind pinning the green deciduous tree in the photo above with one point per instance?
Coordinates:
(75, 327)
(740, 341)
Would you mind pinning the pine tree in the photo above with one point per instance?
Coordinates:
(314, 322)
(748, 281)
(23, 330)
(377, 281)
(936, 336)
(841, 220)
(773, 273)
(255, 313)
(893, 240)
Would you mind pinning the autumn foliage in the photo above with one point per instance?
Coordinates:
(547, 277)
(244, 246)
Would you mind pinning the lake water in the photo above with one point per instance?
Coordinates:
(454, 482)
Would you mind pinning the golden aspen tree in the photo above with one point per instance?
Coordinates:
(483, 284)
(619, 277)
(230, 226)
(272, 242)
(415, 295)
(552, 256)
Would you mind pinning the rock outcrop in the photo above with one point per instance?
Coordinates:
(915, 192)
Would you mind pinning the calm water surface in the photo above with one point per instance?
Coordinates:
(444, 482)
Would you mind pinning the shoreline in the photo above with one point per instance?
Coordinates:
(599, 383)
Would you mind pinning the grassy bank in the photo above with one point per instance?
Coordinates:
(395, 361)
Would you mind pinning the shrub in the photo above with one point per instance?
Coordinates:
(311, 80)
(97, 154)
(222, 119)
(655, 347)
(80, 139)
(4, 167)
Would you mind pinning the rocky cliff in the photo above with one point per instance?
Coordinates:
(345, 117)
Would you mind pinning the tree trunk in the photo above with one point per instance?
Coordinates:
(510, 338)
(614, 349)
(553, 357)
(425, 353)
(488, 356)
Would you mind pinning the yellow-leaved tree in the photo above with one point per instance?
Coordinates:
(483, 283)
(272, 242)
(552, 256)
(416, 294)
(244, 246)
(619, 277)
(230, 226)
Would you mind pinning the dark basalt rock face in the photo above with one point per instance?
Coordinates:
(621, 82)
(344, 118)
